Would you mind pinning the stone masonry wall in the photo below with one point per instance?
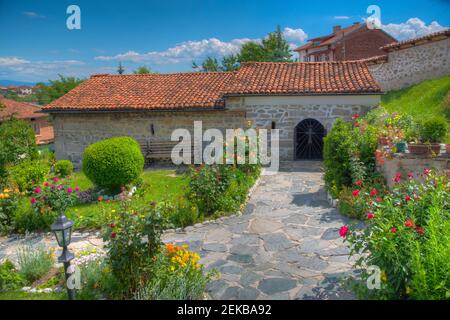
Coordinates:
(410, 66)
(288, 112)
(74, 132)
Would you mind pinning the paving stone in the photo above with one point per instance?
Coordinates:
(230, 293)
(274, 285)
(216, 247)
(231, 269)
(248, 293)
(330, 234)
(276, 241)
(262, 226)
(241, 258)
(249, 278)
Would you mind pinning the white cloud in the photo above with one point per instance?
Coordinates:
(412, 28)
(192, 50)
(295, 35)
(32, 14)
(341, 17)
(11, 61)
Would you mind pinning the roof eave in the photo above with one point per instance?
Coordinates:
(55, 110)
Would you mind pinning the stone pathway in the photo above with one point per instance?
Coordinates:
(286, 245)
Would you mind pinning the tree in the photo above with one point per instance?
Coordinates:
(209, 65)
(142, 70)
(230, 63)
(276, 47)
(57, 88)
(120, 68)
(252, 51)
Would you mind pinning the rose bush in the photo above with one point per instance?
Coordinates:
(408, 238)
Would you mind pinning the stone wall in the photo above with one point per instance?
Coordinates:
(74, 132)
(286, 112)
(405, 163)
(409, 66)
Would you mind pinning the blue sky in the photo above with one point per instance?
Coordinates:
(167, 35)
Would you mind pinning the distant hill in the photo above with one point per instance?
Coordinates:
(428, 98)
(16, 83)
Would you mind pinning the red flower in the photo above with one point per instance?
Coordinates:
(394, 230)
(398, 177)
(113, 235)
(355, 116)
(359, 183)
(378, 199)
(407, 198)
(343, 231)
(37, 190)
(100, 199)
(46, 184)
(373, 192)
(420, 230)
(409, 223)
(370, 216)
(112, 225)
(33, 200)
(410, 175)
(355, 193)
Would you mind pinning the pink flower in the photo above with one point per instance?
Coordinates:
(355, 193)
(37, 190)
(46, 184)
(397, 177)
(407, 198)
(378, 199)
(343, 231)
(33, 200)
(52, 187)
(77, 189)
(426, 171)
(410, 175)
(55, 179)
(370, 216)
(69, 190)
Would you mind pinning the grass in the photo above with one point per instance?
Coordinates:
(158, 185)
(21, 295)
(426, 99)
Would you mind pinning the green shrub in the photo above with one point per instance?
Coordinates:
(34, 262)
(113, 163)
(27, 219)
(434, 130)
(408, 238)
(133, 241)
(28, 174)
(9, 204)
(97, 281)
(17, 143)
(63, 168)
(10, 279)
(184, 215)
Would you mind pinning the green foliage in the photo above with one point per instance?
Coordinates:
(142, 70)
(424, 100)
(434, 130)
(408, 238)
(9, 203)
(53, 198)
(113, 163)
(17, 143)
(34, 262)
(120, 69)
(349, 154)
(63, 168)
(28, 174)
(10, 279)
(252, 52)
(133, 242)
(56, 89)
(230, 63)
(276, 47)
(28, 219)
(97, 281)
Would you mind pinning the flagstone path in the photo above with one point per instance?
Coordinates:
(285, 245)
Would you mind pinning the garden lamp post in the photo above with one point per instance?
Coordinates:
(63, 232)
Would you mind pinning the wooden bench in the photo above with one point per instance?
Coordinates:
(160, 150)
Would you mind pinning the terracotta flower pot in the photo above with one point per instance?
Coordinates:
(424, 149)
(447, 148)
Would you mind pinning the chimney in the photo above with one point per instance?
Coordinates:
(336, 29)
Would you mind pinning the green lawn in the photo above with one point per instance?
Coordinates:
(158, 185)
(425, 99)
(20, 295)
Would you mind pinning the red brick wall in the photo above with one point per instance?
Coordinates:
(361, 44)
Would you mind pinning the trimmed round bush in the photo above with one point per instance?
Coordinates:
(434, 130)
(113, 163)
(63, 168)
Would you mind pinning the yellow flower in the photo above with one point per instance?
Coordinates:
(408, 290)
(383, 276)
(6, 190)
(113, 211)
(172, 268)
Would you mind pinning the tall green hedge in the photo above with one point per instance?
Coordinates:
(113, 163)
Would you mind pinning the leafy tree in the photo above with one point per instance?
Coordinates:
(252, 51)
(120, 69)
(209, 65)
(142, 70)
(57, 88)
(230, 63)
(276, 47)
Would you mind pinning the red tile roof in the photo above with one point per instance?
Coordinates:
(309, 78)
(207, 90)
(417, 41)
(20, 110)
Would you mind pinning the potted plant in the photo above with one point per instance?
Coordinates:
(430, 133)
